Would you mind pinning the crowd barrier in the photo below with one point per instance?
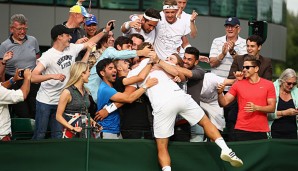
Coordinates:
(141, 155)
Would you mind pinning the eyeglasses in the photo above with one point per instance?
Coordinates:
(21, 28)
(291, 83)
(247, 67)
(231, 27)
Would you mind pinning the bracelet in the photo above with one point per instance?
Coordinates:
(11, 81)
(158, 61)
(127, 27)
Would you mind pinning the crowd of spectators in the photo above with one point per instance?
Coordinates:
(88, 79)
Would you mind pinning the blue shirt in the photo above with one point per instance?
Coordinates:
(110, 52)
(111, 123)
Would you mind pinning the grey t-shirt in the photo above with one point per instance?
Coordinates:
(195, 83)
(24, 55)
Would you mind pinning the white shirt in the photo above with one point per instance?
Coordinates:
(209, 91)
(7, 97)
(56, 62)
(168, 36)
(216, 48)
(165, 90)
(149, 37)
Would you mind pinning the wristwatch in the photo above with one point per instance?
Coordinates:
(144, 87)
(233, 52)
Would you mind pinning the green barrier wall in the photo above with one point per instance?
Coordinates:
(140, 155)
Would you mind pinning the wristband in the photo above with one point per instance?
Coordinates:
(126, 25)
(111, 108)
(11, 81)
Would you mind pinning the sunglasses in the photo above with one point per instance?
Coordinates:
(291, 83)
(247, 67)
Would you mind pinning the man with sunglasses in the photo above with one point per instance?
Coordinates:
(256, 97)
(253, 46)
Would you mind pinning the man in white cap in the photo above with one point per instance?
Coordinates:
(222, 53)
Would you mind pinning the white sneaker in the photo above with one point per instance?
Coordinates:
(231, 157)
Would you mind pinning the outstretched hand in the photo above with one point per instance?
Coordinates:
(220, 88)
(151, 82)
(110, 25)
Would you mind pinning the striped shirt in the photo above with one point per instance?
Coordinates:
(216, 48)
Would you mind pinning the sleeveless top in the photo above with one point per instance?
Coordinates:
(78, 103)
(284, 127)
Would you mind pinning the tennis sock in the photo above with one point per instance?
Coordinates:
(166, 168)
(222, 144)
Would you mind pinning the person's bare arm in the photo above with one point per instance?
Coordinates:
(98, 36)
(25, 88)
(103, 113)
(130, 24)
(37, 76)
(8, 55)
(269, 108)
(140, 77)
(215, 61)
(224, 100)
(193, 27)
(165, 66)
(185, 41)
(90, 46)
(129, 98)
(186, 72)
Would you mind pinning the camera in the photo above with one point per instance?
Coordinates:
(21, 73)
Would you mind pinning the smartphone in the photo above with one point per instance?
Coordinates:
(112, 27)
(21, 73)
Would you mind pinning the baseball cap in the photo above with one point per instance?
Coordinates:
(79, 9)
(232, 21)
(60, 29)
(91, 20)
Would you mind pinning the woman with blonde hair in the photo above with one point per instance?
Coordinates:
(285, 125)
(74, 103)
